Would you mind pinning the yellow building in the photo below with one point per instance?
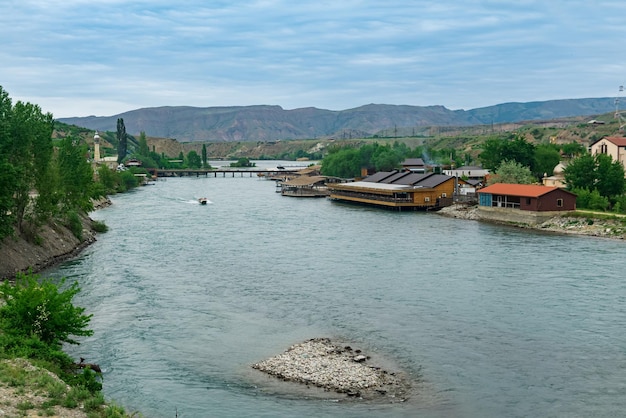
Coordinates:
(401, 190)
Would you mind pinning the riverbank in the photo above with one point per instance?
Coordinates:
(578, 223)
(52, 244)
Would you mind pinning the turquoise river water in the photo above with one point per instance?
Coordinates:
(486, 320)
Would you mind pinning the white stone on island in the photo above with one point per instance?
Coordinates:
(321, 363)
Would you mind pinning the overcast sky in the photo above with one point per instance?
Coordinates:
(104, 57)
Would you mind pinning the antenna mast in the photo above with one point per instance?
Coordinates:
(618, 114)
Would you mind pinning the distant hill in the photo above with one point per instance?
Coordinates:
(269, 123)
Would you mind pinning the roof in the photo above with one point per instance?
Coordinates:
(375, 186)
(379, 176)
(524, 190)
(617, 140)
(470, 168)
(434, 180)
(396, 177)
(413, 161)
(304, 181)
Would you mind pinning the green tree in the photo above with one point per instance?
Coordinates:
(385, 158)
(580, 173)
(512, 172)
(590, 199)
(25, 155)
(193, 160)
(76, 175)
(144, 150)
(344, 163)
(513, 148)
(610, 180)
(491, 155)
(547, 157)
(205, 162)
(573, 149)
(37, 308)
(122, 140)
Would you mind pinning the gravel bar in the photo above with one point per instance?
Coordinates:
(334, 368)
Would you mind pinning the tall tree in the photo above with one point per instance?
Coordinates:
(144, 150)
(205, 162)
(610, 180)
(512, 172)
(122, 140)
(76, 175)
(547, 157)
(580, 173)
(193, 159)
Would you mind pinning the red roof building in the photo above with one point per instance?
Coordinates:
(528, 197)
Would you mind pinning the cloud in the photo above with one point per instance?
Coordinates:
(101, 57)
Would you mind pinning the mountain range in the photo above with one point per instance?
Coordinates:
(270, 123)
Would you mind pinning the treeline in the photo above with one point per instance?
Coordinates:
(42, 179)
(349, 161)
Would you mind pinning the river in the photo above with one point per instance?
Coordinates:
(486, 320)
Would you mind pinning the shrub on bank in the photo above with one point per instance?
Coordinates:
(36, 319)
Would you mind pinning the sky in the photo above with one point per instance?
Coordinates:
(106, 57)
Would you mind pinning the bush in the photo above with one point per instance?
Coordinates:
(75, 224)
(99, 226)
(35, 310)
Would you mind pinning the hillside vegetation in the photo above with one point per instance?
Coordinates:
(466, 141)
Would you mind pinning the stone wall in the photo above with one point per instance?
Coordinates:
(516, 216)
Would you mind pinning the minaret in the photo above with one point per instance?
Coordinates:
(96, 147)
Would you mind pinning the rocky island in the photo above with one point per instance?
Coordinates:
(338, 369)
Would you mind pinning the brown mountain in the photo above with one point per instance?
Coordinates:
(269, 123)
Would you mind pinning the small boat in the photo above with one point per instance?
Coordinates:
(203, 200)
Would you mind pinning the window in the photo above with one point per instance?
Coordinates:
(427, 199)
(559, 203)
(528, 200)
(444, 195)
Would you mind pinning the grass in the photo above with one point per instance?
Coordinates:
(38, 391)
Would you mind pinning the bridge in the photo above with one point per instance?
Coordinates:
(206, 172)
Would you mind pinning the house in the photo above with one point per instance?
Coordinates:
(401, 190)
(523, 203)
(468, 171)
(415, 165)
(615, 146)
(305, 186)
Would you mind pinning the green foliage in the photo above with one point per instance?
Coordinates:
(596, 173)
(205, 162)
(511, 148)
(99, 226)
(25, 154)
(128, 181)
(347, 162)
(74, 224)
(610, 179)
(243, 162)
(512, 172)
(592, 200)
(35, 308)
(580, 173)
(547, 156)
(122, 141)
(76, 175)
(143, 149)
(193, 159)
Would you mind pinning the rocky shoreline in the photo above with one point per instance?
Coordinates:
(590, 225)
(336, 368)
